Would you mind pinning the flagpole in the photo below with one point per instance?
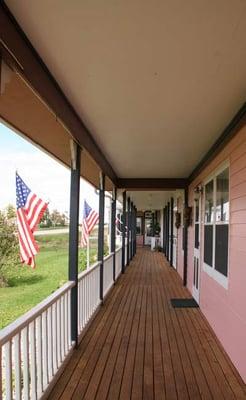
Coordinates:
(88, 252)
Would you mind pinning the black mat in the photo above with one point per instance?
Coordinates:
(184, 303)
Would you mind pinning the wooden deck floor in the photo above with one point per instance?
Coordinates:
(139, 347)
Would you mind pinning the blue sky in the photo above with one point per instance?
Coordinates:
(35, 166)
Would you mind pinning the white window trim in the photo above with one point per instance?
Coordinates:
(210, 270)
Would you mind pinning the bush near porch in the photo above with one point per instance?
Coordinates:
(27, 287)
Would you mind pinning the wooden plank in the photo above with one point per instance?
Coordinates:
(115, 386)
(137, 383)
(78, 378)
(197, 357)
(126, 385)
(232, 377)
(159, 382)
(181, 386)
(140, 347)
(100, 320)
(152, 183)
(148, 382)
(110, 346)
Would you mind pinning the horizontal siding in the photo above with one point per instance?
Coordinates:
(238, 152)
(239, 164)
(223, 307)
(238, 191)
(238, 230)
(238, 217)
(238, 177)
(237, 243)
(238, 204)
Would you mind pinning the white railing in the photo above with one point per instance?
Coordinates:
(34, 346)
(88, 295)
(118, 262)
(108, 280)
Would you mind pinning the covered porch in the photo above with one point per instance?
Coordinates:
(139, 100)
(140, 347)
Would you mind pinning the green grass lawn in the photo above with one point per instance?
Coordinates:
(28, 287)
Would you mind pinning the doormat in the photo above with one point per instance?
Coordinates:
(184, 303)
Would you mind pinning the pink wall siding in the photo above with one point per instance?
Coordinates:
(225, 309)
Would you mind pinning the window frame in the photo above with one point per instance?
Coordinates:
(210, 270)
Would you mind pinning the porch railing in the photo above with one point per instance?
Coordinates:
(108, 280)
(118, 261)
(88, 295)
(35, 346)
(126, 254)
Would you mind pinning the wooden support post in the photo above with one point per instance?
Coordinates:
(123, 233)
(136, 229)
(101, 230)
(128, 230)
(74, 237)
(163, 230)
(133, 229)
(113, 222)
(168, 231)
(171, 230)
(186, 201)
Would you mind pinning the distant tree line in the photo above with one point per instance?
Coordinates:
(9, 244)
(54, 218)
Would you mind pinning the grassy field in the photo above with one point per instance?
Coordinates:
(28, 287)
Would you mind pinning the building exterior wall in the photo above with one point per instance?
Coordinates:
(225, 309)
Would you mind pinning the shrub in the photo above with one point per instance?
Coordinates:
(9, 247)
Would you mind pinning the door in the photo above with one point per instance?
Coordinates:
(197, 255)
(148, 229)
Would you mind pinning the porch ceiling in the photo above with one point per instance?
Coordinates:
(154, 82)
(147, 200)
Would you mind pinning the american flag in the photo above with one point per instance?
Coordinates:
(90, 219)
(119, 225)
(30, 209)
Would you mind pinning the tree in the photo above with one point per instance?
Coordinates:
(9, 247)
(57, 218)
(46, 220)
(10, 212)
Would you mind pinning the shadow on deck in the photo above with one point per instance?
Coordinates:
(139, 347)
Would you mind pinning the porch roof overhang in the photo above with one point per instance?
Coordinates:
(147, 90)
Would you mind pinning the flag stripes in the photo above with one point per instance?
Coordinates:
(30, 209)
(90, 219)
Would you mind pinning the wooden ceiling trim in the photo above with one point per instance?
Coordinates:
(30, 65)
(152, 183)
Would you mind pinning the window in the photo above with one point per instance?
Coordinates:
(197, 224)
(216, 226)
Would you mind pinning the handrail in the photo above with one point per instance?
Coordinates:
(108, 257)
(34, 347)
(21, 322)
(88, 271)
